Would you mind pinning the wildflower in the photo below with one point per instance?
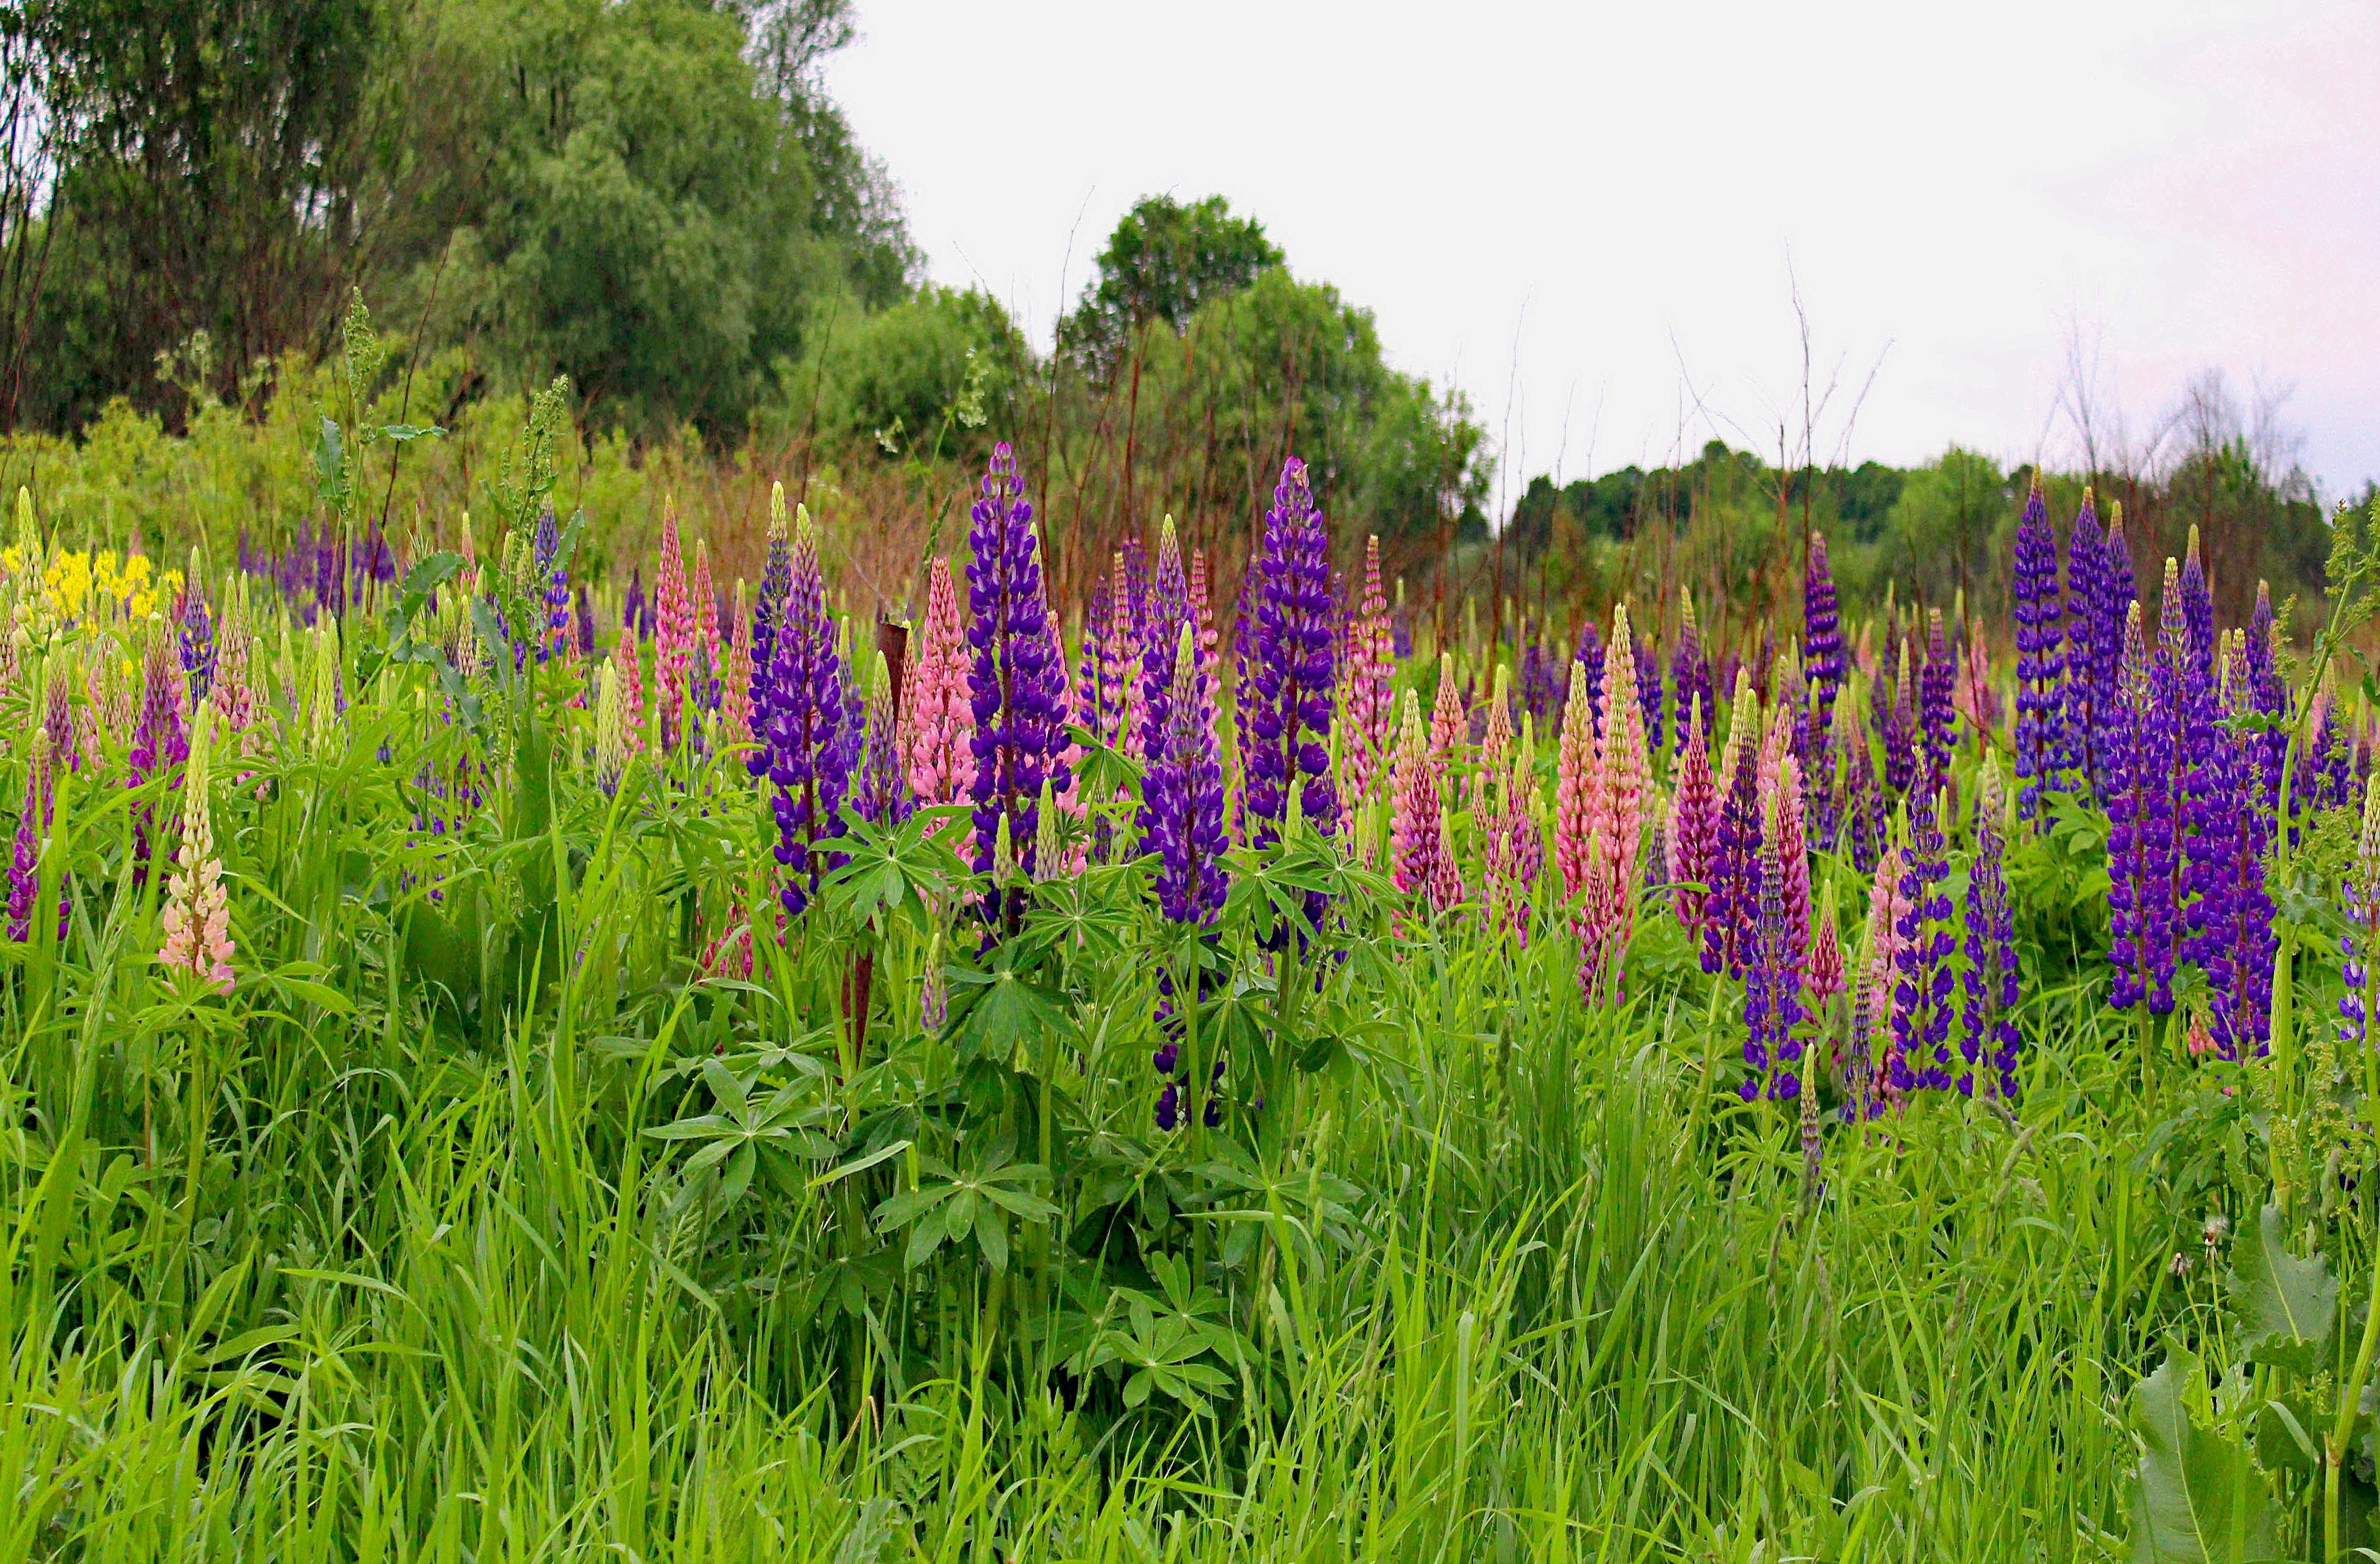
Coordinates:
(881, 791)
(2238, 948)
(1772, 987)
(1693, 825)
(1589, 659)
(776, 580)
(1016, 682)
(1575, 787)
(2359, 947)
(708, 657)
(1988, 1036)
(808, 764)
(1164, 609)
(2039, 660)
(1689, 670)
(937, 719)
(552, 583)
(197, 914)
(735, 678)
(611, 730)
(198, 637)
(1734, 905)
(1417, 837)
(1900, 731)
(673, 631)
(160, 743)
(25, 860)
(1202, 616)
(1447, 728)
(1288, 736)
(1648, 696)
(1871, 1082)
(1920, 996)
(1822, 637)
(1513, 853)
(2267, 697)
(1937, 719)
(2092, 653)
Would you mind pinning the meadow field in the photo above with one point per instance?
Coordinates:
(506, 1060)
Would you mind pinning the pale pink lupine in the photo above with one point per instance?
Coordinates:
(1575, 786)
(1494, 743)
(705, 609)
(1202, 614)
(1615, 804)
(632, 688)
(197, 914)
(1826, 966)
(673, 629)
(1371, 702)
(735, 681)
(937, 720)
(1446, 888)
(1449, 725)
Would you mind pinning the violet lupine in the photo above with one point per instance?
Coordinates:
(2239, 948)
(1288, 736)
(881, 791)
(1921, 994)
(1693, 825)
(554, 588)
(2039, 661)
(776, 580)
(809, 763)
(2330, 766)
(1865, 823)
(1772, 988)
(1015, 683)
(1589, 659)
(2114, 606)
(1822, 637)
(937, 718)
(2359, 949)
(1649, 697)
(1365, 749)
(2137, 778)
(2187, 731)
(2090, 659)
(198, 637)
(1690, 674)
(25, 859)
(1937, 717)
(1165, 608)
(1734, 905)
(197, 912)
(160, 741)
(1900, 732)
(2198, 618)
(1988, 1038)
(2267, 697)
(634, 609)
(582, 630)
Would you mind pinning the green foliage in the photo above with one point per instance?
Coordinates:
(2288, 1307)
(1162, 265)
(2199, 1500)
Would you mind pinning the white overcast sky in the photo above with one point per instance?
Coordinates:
(1591, 217)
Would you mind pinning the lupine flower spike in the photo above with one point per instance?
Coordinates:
(937, 718)
(1988, 1038)
(197, 914)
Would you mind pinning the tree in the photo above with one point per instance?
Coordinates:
(1163, 263)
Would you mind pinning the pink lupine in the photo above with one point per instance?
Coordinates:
(1783, 805)
(705, 609)
(1886, 908)
(632, 688)
(1624, 766)
(1978, 701)
(1575, 787)
(672, 630)
(1494, 743)
(1371, 665)
(1202, 615)
(1446, 888)
(736, 681)
(937, 718)
(197, 914)
(1414, 843)
(1512, 844)
(1826, 966)
(1449, 725)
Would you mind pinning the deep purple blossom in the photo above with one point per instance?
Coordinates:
(2267, 697)
(2140, 833)
(2238, 947)
(1295, 677)
(1733, 905)
(160, 743)
(1690, 674)
(1181, 818)
(2114, 608)
(1649, 700)
(1899, 730)
(2039, 656)
(808, 761)
(1988, 1037)
(197, 639)
(2092, 648)
(1920, 996)
(1772, 990)
(1937, 719)
(1589, 660)
(1822, 635)
(1016, 684)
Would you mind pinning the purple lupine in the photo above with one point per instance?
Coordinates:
(1243, 663)
(2359, 948)
(58, 725)
(2039, 661)
(198, 639)
(25, 861)
(1900, 732)
(1864, 812)
(2332, 768)
(881, 795)
(1772, 990)
(1181, 818)
(545, 549)
(1921, 997)
(2136, 776)
(160, 743)
(2194, 786)
(1822, 635)
(582, 630)
(1937, 720)
(1589, 658)
(1015, 684)
(1988, 1035)
(2267, 697)
(2239, 948)
(1733, 906)
(1649, 700)
(2090, 657)
(2198, 620)
(2115, 596)
(1690, 674)
(1164, 609)
(1296, 680)
(807, 761)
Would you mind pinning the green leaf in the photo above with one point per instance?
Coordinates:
(2196, 1497)
(2286, 1306)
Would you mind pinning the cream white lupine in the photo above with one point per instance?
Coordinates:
(198, 913)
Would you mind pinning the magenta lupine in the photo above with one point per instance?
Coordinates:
(1294, 681)
(1016, 682)
(808, 762)
(1921, 995)
(2091, 659)
(672, 630)
(1694, 825)
(937, 718)
(1988, 1038)
(1415, 839)
(2039, 661)
(1513, 850)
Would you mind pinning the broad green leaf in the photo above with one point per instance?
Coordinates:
(2196, 1500)
(2285, 1306)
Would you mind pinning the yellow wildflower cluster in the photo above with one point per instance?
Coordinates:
(78, 587)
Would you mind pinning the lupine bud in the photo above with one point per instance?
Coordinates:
(611, 730)
(197, 914)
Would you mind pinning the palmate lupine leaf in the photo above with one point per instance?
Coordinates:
(2285, 1306)
(2197, 1498)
